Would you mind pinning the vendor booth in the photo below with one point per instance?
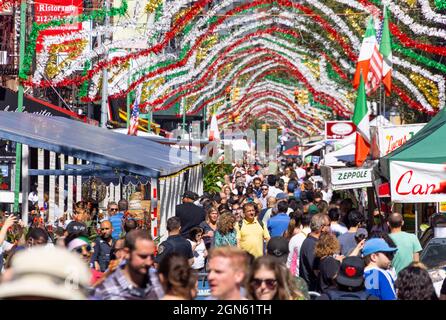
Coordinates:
(80, 150)
(417, 170)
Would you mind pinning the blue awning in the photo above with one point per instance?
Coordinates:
(94, 144)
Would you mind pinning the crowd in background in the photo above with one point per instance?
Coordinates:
(264, 236)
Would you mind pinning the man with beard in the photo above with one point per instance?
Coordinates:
(102, 247)
(136, 279)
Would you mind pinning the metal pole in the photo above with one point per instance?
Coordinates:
(104, 102)
(205, 118)
(416, 220)
(149, 121)
(184, 114)
(18, 155)
(128, 103)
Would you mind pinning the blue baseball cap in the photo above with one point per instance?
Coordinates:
(376, 245)
(281, 196)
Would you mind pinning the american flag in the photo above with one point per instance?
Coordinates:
(376, 62)
(134, 119)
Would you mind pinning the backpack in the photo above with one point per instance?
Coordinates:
(240, 223)
(343, 295)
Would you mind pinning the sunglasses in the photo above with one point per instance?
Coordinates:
(113, 209)
(389, 255)
(79, 250)
(270, 283)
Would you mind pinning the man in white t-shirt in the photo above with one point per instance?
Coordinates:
(295, 245)
(273, 191)
(301, 172)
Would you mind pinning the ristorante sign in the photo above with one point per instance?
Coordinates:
(49, 10)
(413, 182)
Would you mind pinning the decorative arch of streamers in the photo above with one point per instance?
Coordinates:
(264, 48)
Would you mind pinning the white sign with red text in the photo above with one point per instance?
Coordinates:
(412, 182)
(389, 138)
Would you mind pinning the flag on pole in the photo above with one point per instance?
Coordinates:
(361, 120)
(134, 119)
(214, 134)
(365, 54)
(376, 62)
(386, 51)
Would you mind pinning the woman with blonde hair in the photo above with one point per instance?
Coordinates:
(209, 226)
(226, 234)
(327, 250)
(226, 189)
(270, 280)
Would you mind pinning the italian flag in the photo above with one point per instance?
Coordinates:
(361, 120)
(365, 54)
(386, 51)
(214, 134)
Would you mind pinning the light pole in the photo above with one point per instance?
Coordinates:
(104, 101)
(18, 155)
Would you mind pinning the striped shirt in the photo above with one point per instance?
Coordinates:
(117, 287)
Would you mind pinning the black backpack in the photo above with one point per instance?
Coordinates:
(344, 295)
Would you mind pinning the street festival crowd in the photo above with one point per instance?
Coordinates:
(262, 237)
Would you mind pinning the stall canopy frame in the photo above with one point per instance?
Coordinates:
(97, 145)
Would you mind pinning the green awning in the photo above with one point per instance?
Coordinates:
(427, 146)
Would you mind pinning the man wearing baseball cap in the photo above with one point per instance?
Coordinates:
(190, 214)
(378, 257)
(349, 282)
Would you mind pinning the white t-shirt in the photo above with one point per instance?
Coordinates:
(198, 254)
(295, 244)
(326, 196)
(285, 179)
(6, 246)
(338, 229)
(273, 191)
(301, 173)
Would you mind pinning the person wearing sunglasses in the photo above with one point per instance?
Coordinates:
(378, 257)
(102, 247)
(82, 246)
(115, 216)
(136, 279)
(270, 280)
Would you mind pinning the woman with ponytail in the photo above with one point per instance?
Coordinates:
(179, 280)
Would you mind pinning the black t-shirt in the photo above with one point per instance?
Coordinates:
(328, 269)
(174, 244)
(308, 263)
(190, 216)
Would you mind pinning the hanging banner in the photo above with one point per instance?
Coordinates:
(346, 178)
(48, 10)
(413, 182)
(388, 138)
(338, 130)
(351, 176)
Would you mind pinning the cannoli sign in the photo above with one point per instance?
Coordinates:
(417, 182)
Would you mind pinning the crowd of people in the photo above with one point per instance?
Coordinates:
(262, 237)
